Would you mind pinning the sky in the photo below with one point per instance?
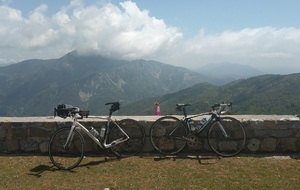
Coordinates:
(264, 34)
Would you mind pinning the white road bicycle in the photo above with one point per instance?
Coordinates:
(67, 145)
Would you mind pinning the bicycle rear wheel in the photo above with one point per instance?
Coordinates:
(167, 135)
(136, 140)
(231, 143)
(69, 156)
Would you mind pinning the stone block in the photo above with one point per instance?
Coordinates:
(256, 123)
(17, 124)
(288, 144)
(2, 133)
(253, 145)
(12, 146)
(43, 146)
(271, 124)
(269, 144)
(2, 150)
(37, 132)
(284, 124)
(281, 133)
(17, 133)
(29, 145)
(261, 133)
(147, 146)
(294, 125)
(49, 125)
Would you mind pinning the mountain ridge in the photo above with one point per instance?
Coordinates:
(226, 72)
(265, 94)
(33, 86)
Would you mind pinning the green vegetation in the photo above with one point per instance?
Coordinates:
(36, 172)
(266, 94)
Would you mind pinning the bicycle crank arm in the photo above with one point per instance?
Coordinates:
(188, 139)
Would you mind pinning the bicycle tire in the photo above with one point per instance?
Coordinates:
(226, 146)
(168, 144)
(66, 158)
(136, 141)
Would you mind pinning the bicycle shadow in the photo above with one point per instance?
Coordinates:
(202, 159)
(94, 163)
(40, 169)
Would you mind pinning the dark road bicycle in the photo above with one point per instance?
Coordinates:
(66, 146)
(226, 135)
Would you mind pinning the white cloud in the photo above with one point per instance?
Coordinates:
(253, 46)
(125, 31)
(122, 32)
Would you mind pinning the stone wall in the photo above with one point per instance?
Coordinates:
(265, 133)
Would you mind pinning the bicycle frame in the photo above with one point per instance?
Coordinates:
(225, 135)
(213, 116)
(103, 144)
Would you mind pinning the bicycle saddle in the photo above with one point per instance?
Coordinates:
(182, 105)
(114, 106)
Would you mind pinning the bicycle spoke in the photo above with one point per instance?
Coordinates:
(226, 138)
(167, 135)
(136, 140)
(66, 157)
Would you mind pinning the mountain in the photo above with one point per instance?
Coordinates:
(34, 87)
(224, 73)
(265, 94)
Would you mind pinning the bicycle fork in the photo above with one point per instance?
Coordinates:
(222, 129)
(70, 137)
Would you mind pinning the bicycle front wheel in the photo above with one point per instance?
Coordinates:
(167, 135)
(136, 140)
(66, 155)
(226, 136)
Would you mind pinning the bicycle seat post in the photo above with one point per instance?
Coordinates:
(184, 111)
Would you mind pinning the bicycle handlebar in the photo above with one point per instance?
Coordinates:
(65, 110)
(221, 108)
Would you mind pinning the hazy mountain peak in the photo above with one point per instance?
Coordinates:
(223, 73)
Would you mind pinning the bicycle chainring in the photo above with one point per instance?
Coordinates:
(192, 141)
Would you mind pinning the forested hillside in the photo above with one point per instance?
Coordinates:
(266, 94)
